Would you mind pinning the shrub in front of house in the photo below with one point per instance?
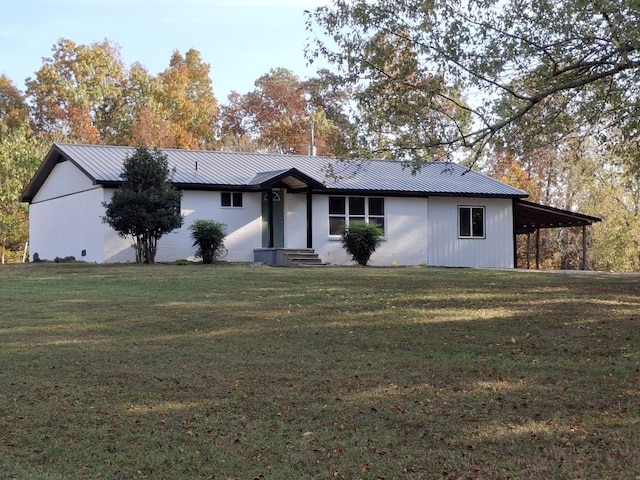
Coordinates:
(146, 206)
(208, 238)
(360, 240)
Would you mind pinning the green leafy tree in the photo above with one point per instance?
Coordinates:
(328, 103)
(537, 70)
(360, 240)
(147, 205)
(20, 155)
(208, 238)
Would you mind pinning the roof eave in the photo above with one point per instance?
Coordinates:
(54, 156)
(417, 193)
(324, 191)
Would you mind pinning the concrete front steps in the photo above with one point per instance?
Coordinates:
(303, 257)
(288, 257)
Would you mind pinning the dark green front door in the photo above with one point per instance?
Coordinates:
(278, 219)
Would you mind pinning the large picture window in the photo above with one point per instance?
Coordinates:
(344, 211)
(471, 222)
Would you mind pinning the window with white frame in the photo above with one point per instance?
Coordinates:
(231, 199)
(471, 222)
(344, 211)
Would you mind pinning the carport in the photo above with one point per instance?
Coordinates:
(532, 217)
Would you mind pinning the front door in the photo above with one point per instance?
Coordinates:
(278, 219)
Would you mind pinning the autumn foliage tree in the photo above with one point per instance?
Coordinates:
(86, 93)
(14, 111)
(188, 101)
(277, 116)
(148, 123)
(77, 91)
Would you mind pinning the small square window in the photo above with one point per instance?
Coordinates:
(231, 199)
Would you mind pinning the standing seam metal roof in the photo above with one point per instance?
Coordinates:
(103, 164)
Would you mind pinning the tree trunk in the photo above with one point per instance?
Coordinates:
(146, 247)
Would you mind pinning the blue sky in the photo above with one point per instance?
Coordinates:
(240, 39)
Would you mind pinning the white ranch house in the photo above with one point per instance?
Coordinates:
(282, 208)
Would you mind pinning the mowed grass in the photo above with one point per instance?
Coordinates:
(241, 372)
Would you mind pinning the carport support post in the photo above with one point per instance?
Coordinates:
(583, 265)
(537, 249)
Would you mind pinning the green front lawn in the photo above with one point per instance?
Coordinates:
(241, 372)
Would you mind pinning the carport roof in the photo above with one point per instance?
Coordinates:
(530, 217)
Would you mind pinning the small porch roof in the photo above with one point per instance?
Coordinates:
(292, 178)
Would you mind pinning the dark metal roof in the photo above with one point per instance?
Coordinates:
(211, 170)
(532, 216)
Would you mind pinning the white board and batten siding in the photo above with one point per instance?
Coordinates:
(447, 249)
(424, 231)
(405, 233)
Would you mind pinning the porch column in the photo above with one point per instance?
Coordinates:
(309, 218)
(271, 227)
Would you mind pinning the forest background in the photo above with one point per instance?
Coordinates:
(85, 93)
